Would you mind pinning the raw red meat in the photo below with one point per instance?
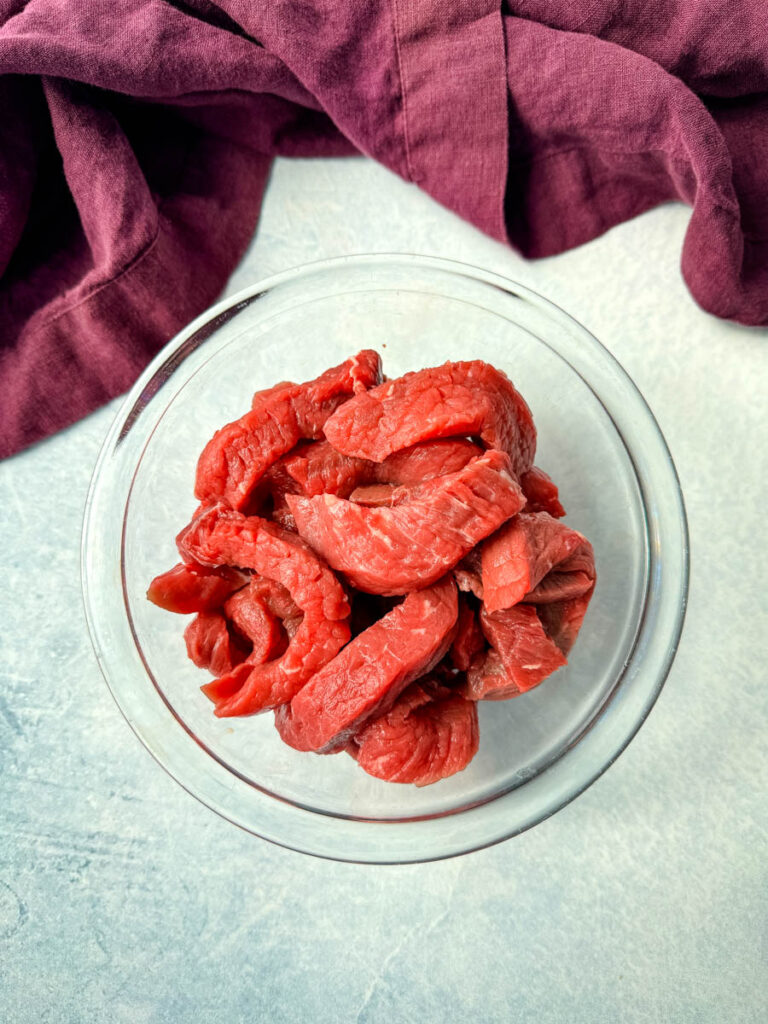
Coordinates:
(211, 645)
(277, 480)
(424, 461)
(388, 483)
(394, 550)
(562, 620)
(522, 656)
(469, 640)
(468, 574)
(194, 588)
(261, 397)
(281, 606)
(238, 455)
(278, 601)
(251, 618)
(282, 515)
(319, 469)
(250, 689)
(420, 739)
(402, 475)
(220, 536)
(456, 399)
(561, 584)
(368, 675)
(517, 559)
(541, 493)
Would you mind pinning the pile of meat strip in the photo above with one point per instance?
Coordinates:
(371, 558)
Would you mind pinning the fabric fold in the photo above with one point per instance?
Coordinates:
(136, 141)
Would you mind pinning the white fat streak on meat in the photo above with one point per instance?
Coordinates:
(385, 538)
(357, 384)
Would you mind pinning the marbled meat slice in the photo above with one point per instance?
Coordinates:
(522, 655)
(221, 536)
(188, 588)
(541, 494)
(517, 560)
(420, 740)
(368, 675)
(238, 455)
(455, 399)
(210, 644)
(469, 640)
(394, 550)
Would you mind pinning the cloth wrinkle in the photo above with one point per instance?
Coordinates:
(136, 142)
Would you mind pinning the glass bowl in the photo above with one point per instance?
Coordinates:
(598, 440)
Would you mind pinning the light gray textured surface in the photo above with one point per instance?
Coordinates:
(123, 899)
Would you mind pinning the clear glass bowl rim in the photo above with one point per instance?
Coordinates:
(644, 673)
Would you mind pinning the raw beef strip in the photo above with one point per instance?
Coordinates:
(211, 645)
(541, 494)
(286, 618)
(220, 536)
(278, 479)
(262, 397)
(517, 559)
(278, 601)
(394, 550)
(420, 739)
(401, 476)
(425, 461)
(369, 674)
(561, 584)
(456, 399)
(522, 656)
(239, 454)
(469, 640)
(251, 618)
(319, 469)
(267, 499)
(194, 588)
(562, 620)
